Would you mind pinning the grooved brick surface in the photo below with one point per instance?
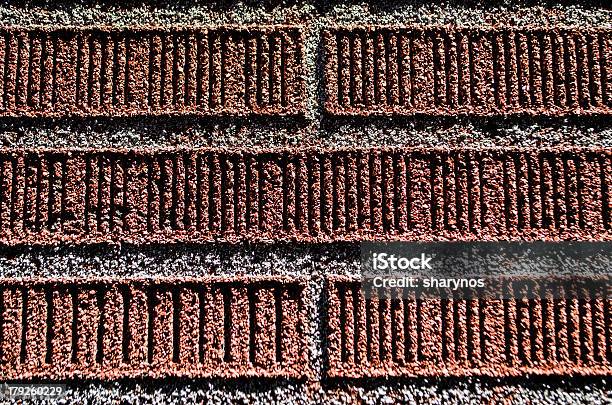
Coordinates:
(445, 71)
(97, 72)
(113, 328)
(310, 195)
(435, 337)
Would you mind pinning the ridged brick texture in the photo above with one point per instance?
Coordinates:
(436, 337)
(309, 195)
(445, 71)
(220, 71)
(113, 328)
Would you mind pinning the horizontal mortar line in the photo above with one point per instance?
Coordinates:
(220, 71)
(407, 337)
(114, 328)
(377, 70)
(167, 196)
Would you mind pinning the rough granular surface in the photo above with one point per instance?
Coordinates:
(498, 337)
(112, 328)
(315, 195)
(312, 265)
(439, 71)
(516, 93)
(231, 71)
